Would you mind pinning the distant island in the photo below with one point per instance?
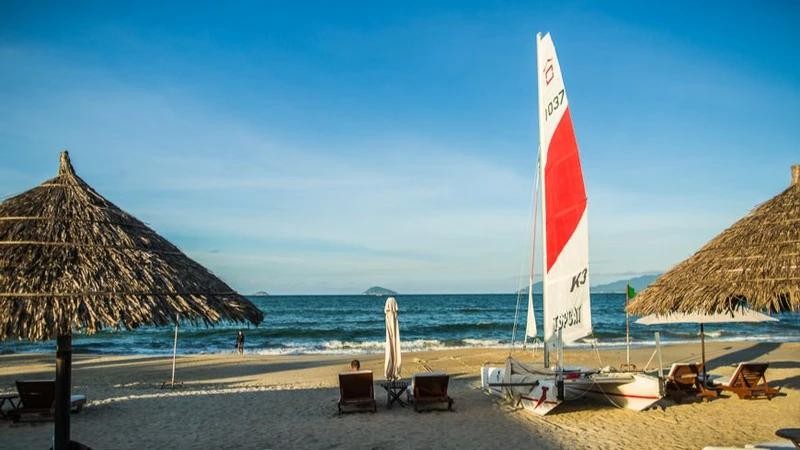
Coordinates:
(618, 287)
(260, 294)
(615, 287)
(377, 290)
(537, 288)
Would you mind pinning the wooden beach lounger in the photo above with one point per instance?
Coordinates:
(37, 398)
(356, 391)
(750, 381)
(429, 389)
(685, 380)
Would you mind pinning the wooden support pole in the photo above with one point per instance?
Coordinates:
(703, 352)
(63, 387)
(175, 350)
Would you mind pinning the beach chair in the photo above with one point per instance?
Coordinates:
(749, 381)
(429, 389)
(685, 380)
(356, 391)
(37, 398)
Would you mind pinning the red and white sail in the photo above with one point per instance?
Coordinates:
(566, 233)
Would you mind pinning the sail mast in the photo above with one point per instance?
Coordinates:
(542, 162)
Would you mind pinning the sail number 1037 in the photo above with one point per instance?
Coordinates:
(554, 104)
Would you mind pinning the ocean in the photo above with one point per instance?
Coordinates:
(300, 324)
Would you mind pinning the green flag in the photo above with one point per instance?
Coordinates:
(631, 292)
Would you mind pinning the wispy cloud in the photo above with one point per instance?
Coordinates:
(269, 213)
(338, 151)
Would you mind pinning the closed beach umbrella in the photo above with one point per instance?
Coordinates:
(71, 261)
(755, 262)
(741, 314)
(392, 361)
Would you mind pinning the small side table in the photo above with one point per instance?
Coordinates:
(11, 399)
(792, 434)
(394, 389)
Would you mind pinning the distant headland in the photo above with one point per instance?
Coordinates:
(260, 294)
(616, 287)
(638, 283)
(377, 290)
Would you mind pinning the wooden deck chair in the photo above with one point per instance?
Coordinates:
(37, 398)
(749, 381)
(685, 380)
(429, 389)
(356, 391)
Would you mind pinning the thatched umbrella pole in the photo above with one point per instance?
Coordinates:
(63, 391)
(70, 260)
(174, 351)
(703, 351)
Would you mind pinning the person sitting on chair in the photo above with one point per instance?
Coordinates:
(355, 365)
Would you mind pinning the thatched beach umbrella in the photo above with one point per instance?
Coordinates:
(756, 262)
(71, 261)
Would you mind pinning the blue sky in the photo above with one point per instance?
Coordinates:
(328, 147)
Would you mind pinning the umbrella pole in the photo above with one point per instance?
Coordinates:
(174, 350)
(627, 332)
(63, 383)
(703, 351)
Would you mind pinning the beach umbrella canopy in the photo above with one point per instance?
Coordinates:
(393, 360)
(756, 261)
(740, 314)
(71, 261)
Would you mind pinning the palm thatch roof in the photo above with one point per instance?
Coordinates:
(755, 262)
(70, 260)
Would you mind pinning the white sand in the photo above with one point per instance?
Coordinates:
(279, 402)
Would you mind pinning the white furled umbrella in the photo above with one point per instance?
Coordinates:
(740, 314)
(391, 366)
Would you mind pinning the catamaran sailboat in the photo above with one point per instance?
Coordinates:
(565, 258)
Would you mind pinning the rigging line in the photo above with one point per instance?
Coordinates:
(534, 194)
(533, 242)
(618, 405)
(596, 349)
(650, 360)
(514, 327)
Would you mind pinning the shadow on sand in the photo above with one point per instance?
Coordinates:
(746, 354)
(296, 418)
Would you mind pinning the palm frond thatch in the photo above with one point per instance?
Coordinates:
(72, 260)
(755, 261)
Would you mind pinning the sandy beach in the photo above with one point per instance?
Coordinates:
(255, 401)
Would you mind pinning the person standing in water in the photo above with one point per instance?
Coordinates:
(240, 342)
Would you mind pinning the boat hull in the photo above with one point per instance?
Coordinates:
(534, 392)
(632, 390)
(538, 393)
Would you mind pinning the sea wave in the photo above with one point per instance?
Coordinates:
(378, 346)
(355, 324)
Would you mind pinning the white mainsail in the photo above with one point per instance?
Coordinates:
(565, 231)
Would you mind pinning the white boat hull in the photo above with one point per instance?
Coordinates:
(632, 390)
(538, 393)
(535, 393)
